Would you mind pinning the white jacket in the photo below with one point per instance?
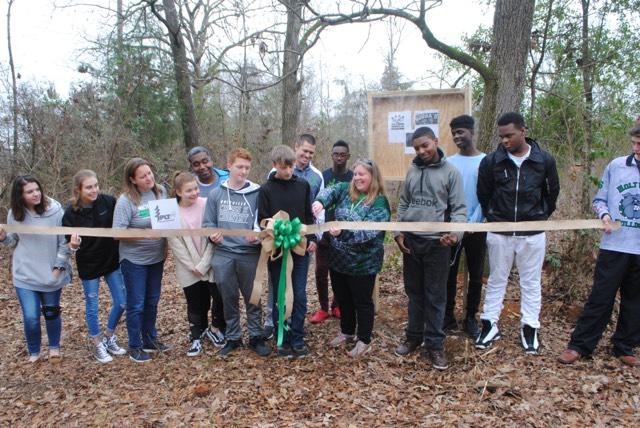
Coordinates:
(187, 259)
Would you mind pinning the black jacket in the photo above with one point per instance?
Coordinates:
(509, 194)
(96, 256)
(292, 196)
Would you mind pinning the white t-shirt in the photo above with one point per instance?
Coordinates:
(518, 160)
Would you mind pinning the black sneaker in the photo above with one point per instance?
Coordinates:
(154, 345)
(215, 336)
(407, 347)
(139, 355)
(285, 351)
(450, 325)
(229, 347)
(257, 345)
(488, 335)
(470, 326)
(529, 339)
(300, 351)
(268, 332)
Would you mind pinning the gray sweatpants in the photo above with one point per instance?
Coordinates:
(234, 274)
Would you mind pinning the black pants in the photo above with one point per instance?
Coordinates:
(614, 270)
(322, 272)
(355, 298)
(475, 248)
(202, 296)
(425, 282)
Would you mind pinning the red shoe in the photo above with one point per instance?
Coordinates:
(336, 312)
(319, 317)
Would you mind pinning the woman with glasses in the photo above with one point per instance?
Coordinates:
(355, 256)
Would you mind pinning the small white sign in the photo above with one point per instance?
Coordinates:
(165, 214)
(398, 124)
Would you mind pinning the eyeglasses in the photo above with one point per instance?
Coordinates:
(340, 155)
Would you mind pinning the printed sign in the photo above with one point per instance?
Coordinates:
(398, 125)
(165, 214)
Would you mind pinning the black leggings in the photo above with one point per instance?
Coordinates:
(202, 296)
(355, 298)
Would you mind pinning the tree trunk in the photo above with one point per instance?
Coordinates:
(14, 85)
(512, 22)
(183, 82)
(291, 85)
(587, 115)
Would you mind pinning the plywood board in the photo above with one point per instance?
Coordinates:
(391, 158)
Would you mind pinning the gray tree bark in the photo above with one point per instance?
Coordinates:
(14, 85)
(291, 85)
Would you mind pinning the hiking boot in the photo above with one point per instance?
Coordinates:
(407, 347)
(101, 353)
(450, 325)
(470, 327)
(529, 339)
(300, 351)
(154, 345)
(195, 349)
(341, 339)
(139, 355)
(319, 317)
(569, 356)
(438, 359)
(215, 336)
(488, 335)
(229, 347)
(360, 349)
(111, 342)
(257, 345)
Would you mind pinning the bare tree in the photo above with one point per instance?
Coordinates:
(14, 85)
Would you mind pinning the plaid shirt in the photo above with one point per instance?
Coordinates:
(356, 252)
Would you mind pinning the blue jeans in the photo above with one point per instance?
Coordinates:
(143, 294)
(118, 301)
(295, 336)
(34, 303)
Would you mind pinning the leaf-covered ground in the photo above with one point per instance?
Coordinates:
(496, 387)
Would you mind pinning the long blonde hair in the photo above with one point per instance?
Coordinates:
(376, 188)
(128, 187)
(76, 189)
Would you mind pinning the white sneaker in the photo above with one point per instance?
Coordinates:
(195, 349)
(360, 349)
(341, 339)
(111, 343)
(529, 339)
(101, 353)
(489, 334)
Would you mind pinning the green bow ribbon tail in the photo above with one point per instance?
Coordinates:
(286, 236)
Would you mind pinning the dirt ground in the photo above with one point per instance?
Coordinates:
(496, 387)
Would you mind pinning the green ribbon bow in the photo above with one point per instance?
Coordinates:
(286, 235)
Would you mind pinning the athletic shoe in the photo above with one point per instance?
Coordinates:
(407, 347)
(154, 345)
(285, 351)
(215, 336)
(101, 353)
(268, 332)
(111, 343)
(529, 339)
(488, 335)
(341, 339)
(438, 359)
(360, 349)
(229, 347)
(139, 355)
(470, 326)
(335, 311)
(257, 345)
(300, 351)
(34, 357)
(319, 317)
(195, 349)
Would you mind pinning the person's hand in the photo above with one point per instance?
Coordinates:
(75, 241)
(216, 238)
(312, 247)
(334, 231)
(400, 241)
(253, 239)
(3, 234)
(316, 208)
(56, 273)
(196, 272)
(449, 239)
(607, 223)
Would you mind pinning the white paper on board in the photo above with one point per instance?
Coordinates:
(398, 124)
(165, 214)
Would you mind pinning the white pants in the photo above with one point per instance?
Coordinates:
(528, 252)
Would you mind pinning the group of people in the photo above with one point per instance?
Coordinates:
(516, 182)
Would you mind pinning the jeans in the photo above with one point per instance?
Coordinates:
(355, 297)
(34, 303)
(475, 248)
(143, 283)
(118, 301)
(295, 336)
(614, 271)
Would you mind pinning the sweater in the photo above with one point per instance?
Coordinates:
(35, 256)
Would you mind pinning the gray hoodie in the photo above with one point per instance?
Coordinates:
(35, 256)
(432, 192)
(233, 209)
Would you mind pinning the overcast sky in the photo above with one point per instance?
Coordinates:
(47, 42)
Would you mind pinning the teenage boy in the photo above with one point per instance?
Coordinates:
(207, 177)
(467, 161)
(287, 192)
(618, 264)
(432, 191)
(338, 173)
(234, 205)
(516, 182)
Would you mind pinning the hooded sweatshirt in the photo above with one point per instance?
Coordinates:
(619, 196)
(233, 209)
(432, 192)
(35, 256)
